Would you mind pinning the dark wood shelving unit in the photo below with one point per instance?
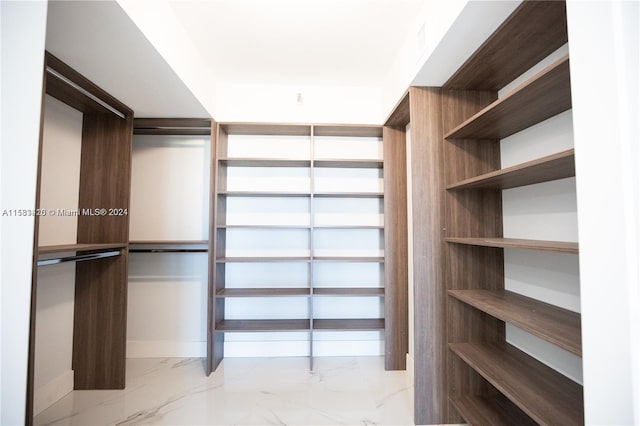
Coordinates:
(546, 169)
(168, 243)
(494, 410)
(349, 291)
(80, 247)
(516, 243)
(457, 209)
(543, 96)
(368, 324)
(545, 395)
(548, 322)
(535, 30)
(222, 161)
(263, 292)
(261, 325)
(100, 296)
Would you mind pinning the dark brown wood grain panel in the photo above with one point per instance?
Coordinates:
(546, 94)
(396, 272)
(263, 292)
(105, 178)
(263, 325)
(555, 246)
(548, 322)
(34, 268)
(79, 247)
(100, 321)
(549, 168)
(172, 126)
(472, 212)
(545, 395)
(490, 410)
(349, 291)
(401, 115)
(427, 174)
(350, 324)
(215, 343)
(74, 97)
(533, 31)
(266, 129)
(347, 130)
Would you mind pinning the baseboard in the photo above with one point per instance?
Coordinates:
(51, 392)
(165, 349)
(410, 369)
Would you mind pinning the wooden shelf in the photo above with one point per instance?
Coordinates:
(262, 259)
(555, 246)
(348, 226)
(348, 324)
(348, 194)
(263, 194)
(168, 243)
(355, 164)
(61, 248)
(552, 167)
(532, 32)
(541, 392)
(543, 96)
(263, 325)
(264, 227)
(347, 130)
(548, 322)
(490, 410)
(263, 292)
(264, 162)
(348, 259)
(349, 292)
(262, 129)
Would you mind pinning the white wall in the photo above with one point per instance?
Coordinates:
(23, 35)
(59, 190)
(60, 182)
(255, 102)
(604, 84)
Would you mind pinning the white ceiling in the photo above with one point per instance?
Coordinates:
(100, 41)
(339, 42)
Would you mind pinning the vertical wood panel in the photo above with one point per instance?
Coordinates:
(427, 173)
(471, 214)
(215, 341)
(395, 249)
(99, 325)
(100, 311)
(105, 177)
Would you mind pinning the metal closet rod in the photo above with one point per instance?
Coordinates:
(80, 258)
(85, 92)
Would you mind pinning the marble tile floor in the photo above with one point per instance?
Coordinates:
(245, 391)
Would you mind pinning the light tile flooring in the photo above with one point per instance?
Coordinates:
(245, 391)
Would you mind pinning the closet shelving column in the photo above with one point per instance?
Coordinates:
(100, 247)
(347, 174)
(261, 205)
(490, 381)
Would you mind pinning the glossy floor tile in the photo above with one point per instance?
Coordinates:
(245, 391)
